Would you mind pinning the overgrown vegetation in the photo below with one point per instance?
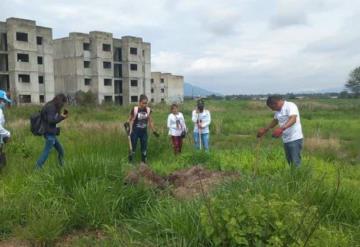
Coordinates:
(85, 203)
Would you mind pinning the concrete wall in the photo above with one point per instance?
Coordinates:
(167, 87)
(31, 68)
(174, 89)
(70, 72)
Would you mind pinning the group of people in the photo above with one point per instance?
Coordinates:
(286, 117)
(140, 118)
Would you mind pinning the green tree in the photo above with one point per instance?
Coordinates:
(353, 84)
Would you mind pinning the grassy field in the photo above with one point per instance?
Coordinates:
(85, 203)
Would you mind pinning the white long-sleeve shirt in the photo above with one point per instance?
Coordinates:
(176, 124)
(204, 119)
(3, 132)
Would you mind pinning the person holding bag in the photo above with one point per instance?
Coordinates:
(51, 115)
(177, 128)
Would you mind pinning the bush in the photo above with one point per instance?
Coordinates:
(85, 99)
(253, 220)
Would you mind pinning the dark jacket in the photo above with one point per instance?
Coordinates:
(50, 117)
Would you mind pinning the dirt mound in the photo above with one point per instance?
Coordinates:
(144, 174)
(184, 184)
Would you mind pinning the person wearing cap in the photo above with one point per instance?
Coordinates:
(287, 116)
(201, 119)
(4, 133)
(51, 115)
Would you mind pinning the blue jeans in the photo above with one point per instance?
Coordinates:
(141, 134)
(204, 141)
(293, 152)
(50, 142)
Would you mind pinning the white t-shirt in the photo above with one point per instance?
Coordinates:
(176, 124)
(295, 131)
(204, 118)
(3, 132)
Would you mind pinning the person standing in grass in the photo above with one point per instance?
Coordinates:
(177, 128)
(4, 133)
(139, 119)
(201, 119)
(288, 118)
(51, 115)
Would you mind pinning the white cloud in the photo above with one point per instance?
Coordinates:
(245, 46)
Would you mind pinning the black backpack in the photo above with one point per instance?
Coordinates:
(36, 124)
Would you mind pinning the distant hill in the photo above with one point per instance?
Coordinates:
(191, 90)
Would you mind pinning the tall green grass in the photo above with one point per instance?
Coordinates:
(88, 193)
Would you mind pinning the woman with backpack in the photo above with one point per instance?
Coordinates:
(4, 133)
(177, 128)
(139, 119)
(51, 115)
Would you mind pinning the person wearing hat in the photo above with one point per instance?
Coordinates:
(4, 133)
(201, 119)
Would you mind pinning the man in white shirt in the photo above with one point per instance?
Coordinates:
(201, 119)
(287, 116)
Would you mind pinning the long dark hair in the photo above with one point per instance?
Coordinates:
(59, 100)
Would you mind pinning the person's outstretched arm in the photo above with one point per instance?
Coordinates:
(263, 131)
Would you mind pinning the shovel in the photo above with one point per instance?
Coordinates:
(127, 129)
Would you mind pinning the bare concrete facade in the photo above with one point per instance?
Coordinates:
(116, 70)
(26, 61)
(34, 67)
(167, 88)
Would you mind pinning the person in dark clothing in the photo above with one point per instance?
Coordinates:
(51, 115)
(139, 119)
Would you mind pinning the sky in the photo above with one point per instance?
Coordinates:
(227, 46)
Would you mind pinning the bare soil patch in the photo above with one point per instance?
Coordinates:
(184, 184)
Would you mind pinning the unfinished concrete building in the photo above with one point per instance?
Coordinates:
(26, 62)
(167, 88)
(116, 70)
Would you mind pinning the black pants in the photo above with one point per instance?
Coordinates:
(141, 134)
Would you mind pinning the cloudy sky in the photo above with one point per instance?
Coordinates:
(227, 46)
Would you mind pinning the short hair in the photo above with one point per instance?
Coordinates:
(143, 97)
(271, 100)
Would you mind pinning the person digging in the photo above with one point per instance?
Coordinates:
(139, 119)
(287, 116)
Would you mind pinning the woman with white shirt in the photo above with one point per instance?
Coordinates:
(177, 128)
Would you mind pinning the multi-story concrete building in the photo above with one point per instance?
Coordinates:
(116, 70)
(33, 66)
(26, 62)
(166, 87)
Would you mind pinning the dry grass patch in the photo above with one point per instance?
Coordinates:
(257, 105)
(318, 143)
(94, 126)
(19, 123)
(313, 105)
